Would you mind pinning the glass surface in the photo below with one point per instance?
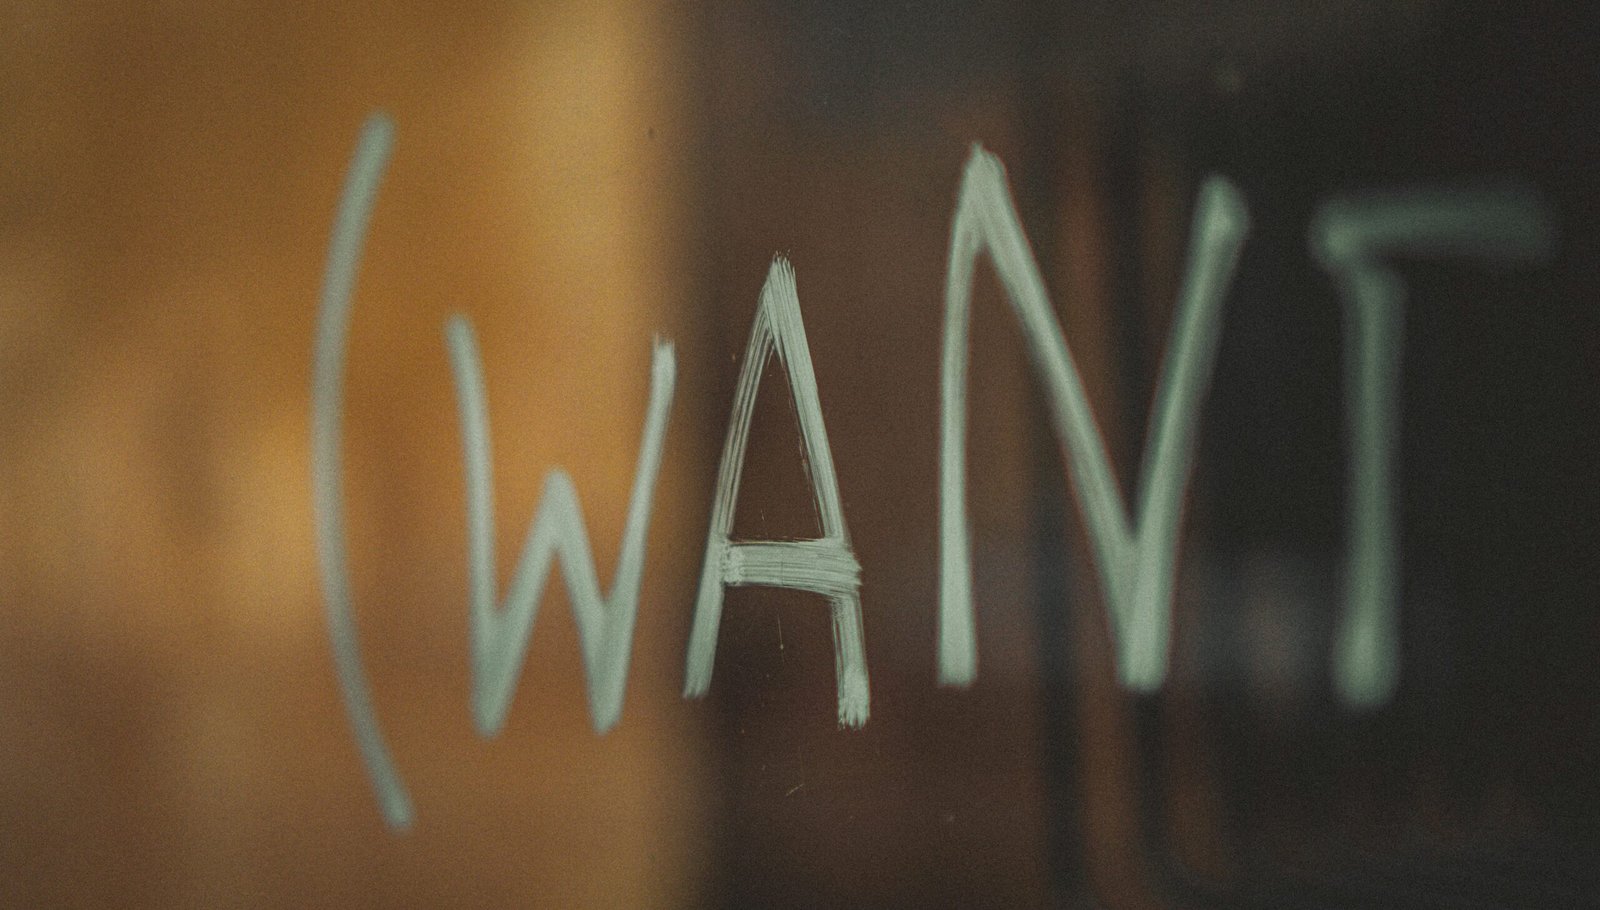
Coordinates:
(1344, 660)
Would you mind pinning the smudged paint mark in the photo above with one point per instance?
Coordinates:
(1136, 560)
(500, 636)
(826, 565)
(1349, 237)
(327, 482)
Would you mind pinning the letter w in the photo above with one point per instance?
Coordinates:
(1135, 558)
(605, 623)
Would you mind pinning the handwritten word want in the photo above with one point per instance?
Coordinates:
(1135, 553)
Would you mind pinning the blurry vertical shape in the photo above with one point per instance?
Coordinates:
(1348, 236)
(327, 404)
(1194, 821)
(500, 636)
(1095, 849)
(1135, 561)
(826, 565)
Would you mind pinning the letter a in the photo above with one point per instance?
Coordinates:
(826, 565)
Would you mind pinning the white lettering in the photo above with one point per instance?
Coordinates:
(605, 622)
(826, 565)
(1136, 561)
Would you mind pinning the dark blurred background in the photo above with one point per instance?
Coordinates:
(578, 177)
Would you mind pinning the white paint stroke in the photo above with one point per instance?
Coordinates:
(826, 565)
(500, 636)
(327, 481)
(1349, 237)
(1136, 559)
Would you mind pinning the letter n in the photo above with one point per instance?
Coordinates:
(1136, 557)
(826, 565)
